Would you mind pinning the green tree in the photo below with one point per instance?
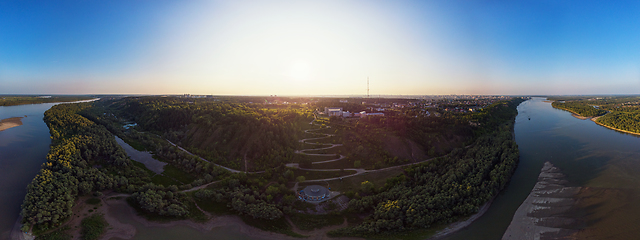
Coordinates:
(300, 179)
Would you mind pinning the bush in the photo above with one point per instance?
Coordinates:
(93, 226)
(301, 179)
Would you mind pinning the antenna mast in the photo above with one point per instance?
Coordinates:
(367, 87)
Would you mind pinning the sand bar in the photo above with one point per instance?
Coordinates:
(10, 122)
(544, 214)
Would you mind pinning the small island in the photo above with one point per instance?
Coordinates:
(10, 123)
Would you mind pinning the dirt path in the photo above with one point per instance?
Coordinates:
(201, 158)
(199, 187)
(359, 171)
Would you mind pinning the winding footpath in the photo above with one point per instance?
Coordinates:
(358, 171)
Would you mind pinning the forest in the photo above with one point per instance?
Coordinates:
(20, 100)
(77, 145)
(619, 112)
(85, 159)
(580, 108)
(237, 135)
(445, 189)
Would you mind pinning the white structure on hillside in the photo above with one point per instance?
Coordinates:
(365, 114)
(333, 111)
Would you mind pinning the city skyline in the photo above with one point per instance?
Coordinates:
(304, 48)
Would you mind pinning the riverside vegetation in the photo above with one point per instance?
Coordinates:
(473, 156)
(619, 112)
(13, 100)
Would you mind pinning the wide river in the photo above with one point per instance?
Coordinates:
(604, 161)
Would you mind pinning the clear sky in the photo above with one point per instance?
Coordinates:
(319, 47)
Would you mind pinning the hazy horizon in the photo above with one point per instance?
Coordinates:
(319, 48)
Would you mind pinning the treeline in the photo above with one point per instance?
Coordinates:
(161, 201)
(225, 132)
(365, 140)
(204, 171)
(369, 139)
(444, 189)
(580, 108)
(624, 111)
(628, 121)
(78, 145)
(254, 196)
(21, 100)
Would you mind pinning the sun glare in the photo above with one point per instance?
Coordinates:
(300, 71)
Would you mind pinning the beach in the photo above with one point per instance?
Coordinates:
(457, 226)
(10, 123)
(545, 213)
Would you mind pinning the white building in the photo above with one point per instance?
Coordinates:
(333, 111)
(365, 114)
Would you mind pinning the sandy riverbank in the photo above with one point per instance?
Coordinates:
(10, 122)
(579, 116)
(121, 230)
(457, 226)
(544, 214)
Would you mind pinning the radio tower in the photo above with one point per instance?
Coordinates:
(367, 87)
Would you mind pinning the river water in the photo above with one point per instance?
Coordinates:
(22, 150)
(603, 161)
(606, 163)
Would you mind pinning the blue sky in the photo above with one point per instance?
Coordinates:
(319, 47)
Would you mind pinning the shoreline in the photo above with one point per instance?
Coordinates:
(612, 128)
(594, 119)
(457, 226)
(118, 229)
(545, 213)
(576, 115)
(10, 123)
(579, 116)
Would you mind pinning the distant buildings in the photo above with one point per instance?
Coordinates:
(366, 114)
(333, 111)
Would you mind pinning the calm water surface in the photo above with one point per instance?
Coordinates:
(22, 150)
(590, 155)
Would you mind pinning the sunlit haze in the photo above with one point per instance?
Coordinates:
(319, 47)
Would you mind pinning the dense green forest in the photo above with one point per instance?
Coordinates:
(447, 188)
(85, 158)
(628, 121)
(619, 112)
(237, 135)
(20, 100)
(78, 145)
(582, 109)
(475, 162)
